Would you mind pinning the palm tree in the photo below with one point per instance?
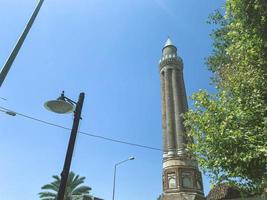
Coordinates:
(73, 188)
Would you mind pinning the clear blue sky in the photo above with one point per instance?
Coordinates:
(109, 50)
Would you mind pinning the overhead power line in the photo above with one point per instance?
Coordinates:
(13, 113)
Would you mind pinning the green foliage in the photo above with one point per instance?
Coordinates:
(73, 188)
(230, 127)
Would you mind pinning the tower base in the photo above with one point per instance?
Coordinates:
(181, 196)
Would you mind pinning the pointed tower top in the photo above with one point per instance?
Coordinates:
(168, 42)
(169, 47)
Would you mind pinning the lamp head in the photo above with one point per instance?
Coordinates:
(60, 106)
(131, 158)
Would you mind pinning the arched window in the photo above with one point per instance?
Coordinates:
(171, 180)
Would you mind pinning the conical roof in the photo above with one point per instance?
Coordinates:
(168, 42)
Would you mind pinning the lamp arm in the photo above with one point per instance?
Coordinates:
(70, 101)
(121, 162)
(64, 98)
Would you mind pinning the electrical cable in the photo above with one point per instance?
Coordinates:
(5, 110)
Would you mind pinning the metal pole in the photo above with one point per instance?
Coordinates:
(67, 163)
(17, 47)
(114, 181)
(115, 171)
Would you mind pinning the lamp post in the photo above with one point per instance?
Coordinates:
(115, 170)
(65, 105)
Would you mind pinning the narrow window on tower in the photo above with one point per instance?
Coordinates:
(162, 73)
(199, 181)
(187, 180)
(163, 181)
(171, 180)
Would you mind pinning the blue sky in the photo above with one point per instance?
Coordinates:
(109, 50)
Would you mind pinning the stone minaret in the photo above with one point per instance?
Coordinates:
(181, 177)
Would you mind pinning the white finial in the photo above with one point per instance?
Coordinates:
(168, 42)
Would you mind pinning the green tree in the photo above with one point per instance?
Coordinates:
(73, 188)
(230, 127)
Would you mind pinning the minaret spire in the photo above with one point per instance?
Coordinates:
(168, 42)
(181, 177)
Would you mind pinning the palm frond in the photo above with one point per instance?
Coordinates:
(47, 194)
(73, 187)
(50, 187)
(81, 190)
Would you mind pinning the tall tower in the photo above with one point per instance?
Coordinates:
(181, 177)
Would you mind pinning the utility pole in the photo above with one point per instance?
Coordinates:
(14, 53)
(68, 158)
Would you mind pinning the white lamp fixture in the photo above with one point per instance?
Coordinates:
(62, 105)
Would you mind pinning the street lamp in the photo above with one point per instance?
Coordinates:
(115, 170)
(65, 105)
